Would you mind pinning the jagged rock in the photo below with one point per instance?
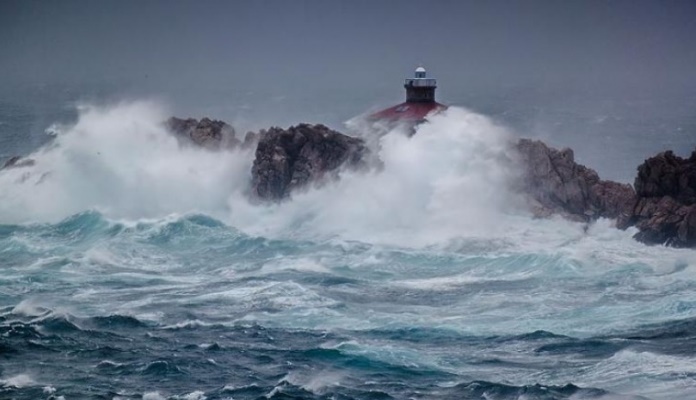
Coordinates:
(668, 175)
(662, 207)
(613, 200)
(666, 210)
(207, 133)
(287, 159)
(559, 185)
(17, 162)
(554, 180)
(663, 220)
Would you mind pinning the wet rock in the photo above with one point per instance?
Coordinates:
(662, 206)
(207, 133)
(288, 159)
(613, 200)
(557, 184)
(666, 209)
(668, 175)
(18, 162)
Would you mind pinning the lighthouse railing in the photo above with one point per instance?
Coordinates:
(421, 82)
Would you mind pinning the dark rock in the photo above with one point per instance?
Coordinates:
(666, 210)
(662, 207)
(613, 200)
(287, 159)
(18, 162)
(668, 175)
(207, 133)
(663, 220)
(559, 185)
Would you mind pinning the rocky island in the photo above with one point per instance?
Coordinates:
(661, 203)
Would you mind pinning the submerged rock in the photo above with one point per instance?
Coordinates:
(207, 133)
(18, 162)
(288, 159)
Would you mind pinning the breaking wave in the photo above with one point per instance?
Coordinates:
(121, 161)
(449, 179)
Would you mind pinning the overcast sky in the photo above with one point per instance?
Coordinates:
(353, 50)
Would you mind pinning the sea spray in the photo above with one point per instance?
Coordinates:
(121, 161)
(451, 178)
(447, 184)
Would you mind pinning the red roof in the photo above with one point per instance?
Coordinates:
(408, 111)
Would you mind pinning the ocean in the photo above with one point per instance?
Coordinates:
(133, 268)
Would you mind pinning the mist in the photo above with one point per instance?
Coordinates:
(452, 179)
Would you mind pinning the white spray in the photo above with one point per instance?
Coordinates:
(120, 161)
(449, 180)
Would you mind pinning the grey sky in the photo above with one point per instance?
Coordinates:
(327, 60)
(334, 44)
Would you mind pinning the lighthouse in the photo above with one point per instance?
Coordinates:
(420, 101)
(420, 89)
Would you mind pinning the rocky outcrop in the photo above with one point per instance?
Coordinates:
(668, 175)
(288, 159)
(662, 206)
(207, 133)
(556, 184)
(613, 200)
(666, 209)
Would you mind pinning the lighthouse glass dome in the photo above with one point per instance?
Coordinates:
(420, 80)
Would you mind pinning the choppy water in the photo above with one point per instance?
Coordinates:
(132, 268)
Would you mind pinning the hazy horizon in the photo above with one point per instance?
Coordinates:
(562, 71)
(278, 47)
